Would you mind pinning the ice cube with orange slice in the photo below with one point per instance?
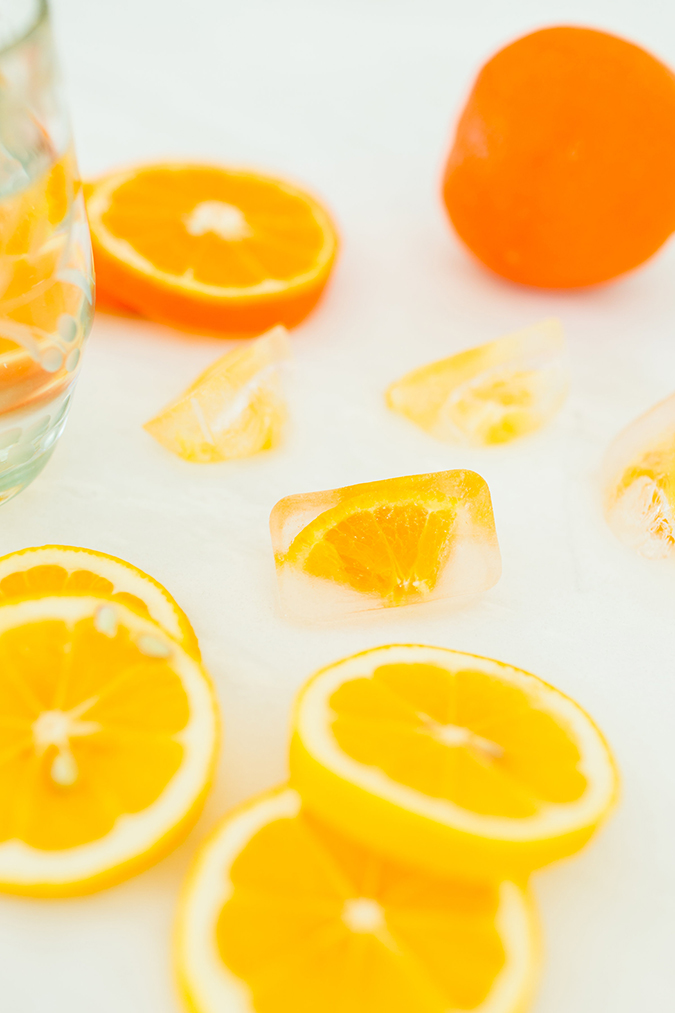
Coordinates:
(209, 248)
(490, 394)
(393, 542)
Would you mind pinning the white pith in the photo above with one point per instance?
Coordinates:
(226, 221)
(100, 200)
(212, 988)
(133, 834)
(314, 719)
(123, 576)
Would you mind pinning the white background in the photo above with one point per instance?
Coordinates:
(356, 99)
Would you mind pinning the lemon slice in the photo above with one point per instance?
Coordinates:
(234, 409)
(67, 569)
(451, 761)
(108, 732)
(281, 914)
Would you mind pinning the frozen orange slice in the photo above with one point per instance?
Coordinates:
(450, 761)
(282, 915)
(66, 569)
(208, 248)
(108, 732)
(234, 409)
(490, 394)
(379, 544)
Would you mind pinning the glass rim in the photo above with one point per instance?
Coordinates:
(41, 15)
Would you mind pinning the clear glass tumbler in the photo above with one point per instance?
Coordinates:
(46, 274)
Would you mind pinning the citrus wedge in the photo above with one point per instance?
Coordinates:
(67, 569)
(451, 761)
(234, 409)
(208, 248)
(281, 914)
(490, 394)
(379, 544)
(108, 732)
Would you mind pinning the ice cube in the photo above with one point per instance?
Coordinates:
(490, 394)
(639, 482)
(399, 541)
(234, 409)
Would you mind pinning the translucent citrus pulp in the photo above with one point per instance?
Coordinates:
(234, 409)
(210, 248)
(392, 542)
(108, 731)
(450, 761)
(490, 394)
(68, 570)
(282, 914)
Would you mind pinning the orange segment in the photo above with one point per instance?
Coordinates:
(283, 914)
(107, 738)
(209, 248)
(67, 569)
(448, 760)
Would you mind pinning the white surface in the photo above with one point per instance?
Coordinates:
(356, 98)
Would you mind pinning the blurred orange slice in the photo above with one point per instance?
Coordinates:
(209, 249)
(67, 570)
(282, 915)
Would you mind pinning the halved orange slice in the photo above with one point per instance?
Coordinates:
(67, 569)
(282, 915)
(450, 761)
(108, 733)
(209, 248)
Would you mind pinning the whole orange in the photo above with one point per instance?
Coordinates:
(562, 172)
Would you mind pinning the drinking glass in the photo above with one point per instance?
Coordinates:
(46, 274)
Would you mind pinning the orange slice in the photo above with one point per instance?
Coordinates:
(234, 409)
(450, 761)
(208, 248)
(108, 732)
(282, 915)
(66, 569)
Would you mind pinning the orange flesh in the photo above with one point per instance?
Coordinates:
(282, 930)
(150, 210)
(52, 579)
(136, 706)
(519, 759)
(395, 550)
